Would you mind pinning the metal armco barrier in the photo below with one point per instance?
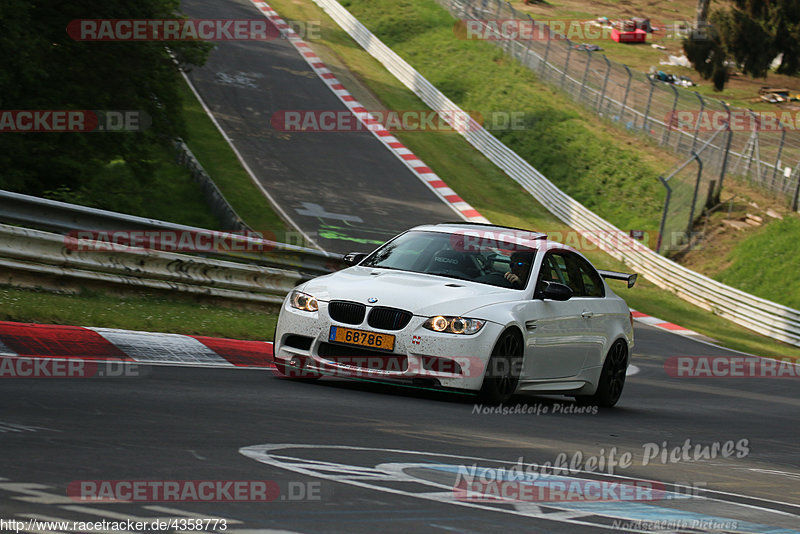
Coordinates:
(38, 252)
(757, 314)
(62, 217)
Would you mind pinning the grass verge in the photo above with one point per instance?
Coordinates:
(487, 188)
(220, 162)
(169, 193)
(174, 313)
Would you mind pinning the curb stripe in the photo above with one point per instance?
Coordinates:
(22, 340)
(466, 211)
(49, 341)
(664, 325)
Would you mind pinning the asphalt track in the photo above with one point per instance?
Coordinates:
(167, 423)
(343, 189)
(403, 445)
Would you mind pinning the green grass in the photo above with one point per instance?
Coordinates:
(766, 263)
(560, 138)
(169, 194)
(174, 313)
(219, 161)
(489, 190)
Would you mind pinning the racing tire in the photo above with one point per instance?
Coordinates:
(502, 370)
(612, 378)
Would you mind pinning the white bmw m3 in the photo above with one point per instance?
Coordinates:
(496, 310)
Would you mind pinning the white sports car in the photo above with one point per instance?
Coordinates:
(485, 308)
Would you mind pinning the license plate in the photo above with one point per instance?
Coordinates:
(361, 338)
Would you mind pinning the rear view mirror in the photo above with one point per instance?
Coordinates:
(353, 258)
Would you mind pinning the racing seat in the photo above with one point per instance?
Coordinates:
(453, 262)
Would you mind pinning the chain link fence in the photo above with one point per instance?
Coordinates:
(763, 154)
(690, 188)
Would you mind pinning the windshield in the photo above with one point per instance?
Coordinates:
(457, 256)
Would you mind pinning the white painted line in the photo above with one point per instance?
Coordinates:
(247, 168)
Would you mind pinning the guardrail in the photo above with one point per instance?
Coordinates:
(44, 253)
(62, 217)
(757, 314)
(220, 207)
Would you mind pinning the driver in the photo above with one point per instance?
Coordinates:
(520, 268)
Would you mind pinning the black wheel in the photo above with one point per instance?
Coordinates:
(612, 378)
(503, 369)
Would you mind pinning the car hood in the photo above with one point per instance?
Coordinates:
(421, 294)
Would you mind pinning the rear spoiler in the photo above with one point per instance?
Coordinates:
(629, 278)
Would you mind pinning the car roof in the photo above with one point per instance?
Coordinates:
(521, 236)
(456, 227)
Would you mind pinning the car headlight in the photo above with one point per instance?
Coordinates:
(454, 325)
(303, 301)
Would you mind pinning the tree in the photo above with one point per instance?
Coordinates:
(753, 33)
(45, 69)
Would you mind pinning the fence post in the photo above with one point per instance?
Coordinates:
(724, 166)
(671, 116)
(664, 214)
(696, 188)
(512, 41)
(797, 189)
(778, 157)
(697, 126)
(547, 49)
(566, 63)
(605, 84)
(528, 47)
(625, 98)
(585, 74)
(649, 100)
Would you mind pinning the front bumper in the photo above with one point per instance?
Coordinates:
(451, 360)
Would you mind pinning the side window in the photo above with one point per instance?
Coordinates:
(551, 271)
(592, 283)
(572, 274)
(573, 271)
(556, 269)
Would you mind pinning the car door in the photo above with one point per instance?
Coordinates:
(589, 291)
(556, 333)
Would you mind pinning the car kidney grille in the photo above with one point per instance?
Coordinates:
(388, 318)
(347, 312)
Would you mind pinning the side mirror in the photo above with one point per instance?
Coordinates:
(554, 291)
(353, 258)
